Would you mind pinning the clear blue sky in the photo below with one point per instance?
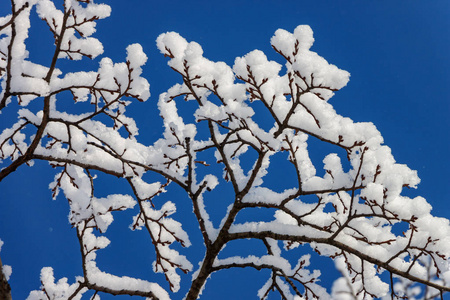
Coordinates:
(396, 51)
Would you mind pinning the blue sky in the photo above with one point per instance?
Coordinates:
(396, 51)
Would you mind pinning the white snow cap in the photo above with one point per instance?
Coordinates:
(304, 34)
(173, 41)
(284, 40)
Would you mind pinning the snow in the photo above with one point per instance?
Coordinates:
(264, 195)
(211, 231)
(47, 10)
(62, 289)
(164, 231)
(146, 190)
(172, 41)
(137, 58)
(357, 208)
(7, 271)
(81, 21)
(316, 80)
(59, 290)
(77, 188)
(304, 34)
(11, 140)
(260, 67)
(100, 278)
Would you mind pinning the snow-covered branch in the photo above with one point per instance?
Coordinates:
(349, 215)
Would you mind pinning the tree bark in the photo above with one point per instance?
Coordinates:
(206, 268)
(5, 288)
(204, 273)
